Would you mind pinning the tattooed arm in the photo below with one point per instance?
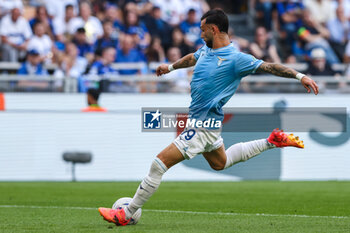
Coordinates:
(286, 72)
(186, 61)
(277, 69)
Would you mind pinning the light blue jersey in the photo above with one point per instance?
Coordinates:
(216, 77)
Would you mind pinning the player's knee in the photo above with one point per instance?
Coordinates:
(218, 167)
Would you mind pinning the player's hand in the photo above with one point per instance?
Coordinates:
(162, 69)
(309, 84)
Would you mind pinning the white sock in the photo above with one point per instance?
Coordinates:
(147, 187)
(243, 151)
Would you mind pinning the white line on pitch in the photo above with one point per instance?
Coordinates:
(180, 212)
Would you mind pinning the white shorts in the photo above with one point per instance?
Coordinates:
(192, 142)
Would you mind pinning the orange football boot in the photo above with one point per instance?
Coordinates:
(281, 139)
(116, 216)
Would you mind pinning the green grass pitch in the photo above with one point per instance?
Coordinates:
(254, 206)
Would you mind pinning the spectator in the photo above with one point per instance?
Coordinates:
(137, 29)
(7, 5)
(70, 64)
(129, 5)
(320, 10)
(319, 66)
(262, 47)
(128, 53)
(92, 100)
(114, 15)
(15, 33)
(155, 52)
(312, 34)
(32, 65)
(85, 49)
(179, 41)
(42, 17)
(345, 4)
(91, 24)
(103, 65)
(99, 8)
(158, 27)
(339, 30)
(107, 40)
(200, 6)
(61, 25)
(41, 42)
(191, 28)
(179, 78)
(172, 10)
(290, 13)
(57, 8)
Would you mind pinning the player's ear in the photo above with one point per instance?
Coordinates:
(215, 29)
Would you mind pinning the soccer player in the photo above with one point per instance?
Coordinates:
(219, 68)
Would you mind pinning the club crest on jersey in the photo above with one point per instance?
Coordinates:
(221, 60)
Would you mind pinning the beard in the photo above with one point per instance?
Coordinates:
(209, 43)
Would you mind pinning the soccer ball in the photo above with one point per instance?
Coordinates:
(124, 202)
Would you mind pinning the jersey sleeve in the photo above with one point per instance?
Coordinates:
(246, 64)
(198, 52)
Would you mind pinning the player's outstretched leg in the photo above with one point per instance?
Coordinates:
(245, 150)
(240, 152)
(166, 159)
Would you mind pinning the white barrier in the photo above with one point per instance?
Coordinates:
(37, 128)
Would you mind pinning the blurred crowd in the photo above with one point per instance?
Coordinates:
(299, 26)
(85, 38)
(313, 31)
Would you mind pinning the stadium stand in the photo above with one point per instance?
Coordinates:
(70, 37)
